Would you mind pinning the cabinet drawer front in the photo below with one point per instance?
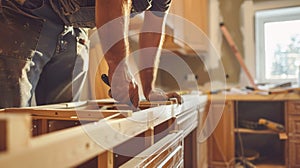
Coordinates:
(187, 122)
(166, 153)
(294, 125)
(294, 154)
(293, 107)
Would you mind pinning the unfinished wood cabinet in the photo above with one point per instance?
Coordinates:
(294, 153)
(293, 113)
(221, 142)
(294, 125)
(190, 18)
(160, 134)
(272, 149)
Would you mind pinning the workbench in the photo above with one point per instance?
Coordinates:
(162, 135)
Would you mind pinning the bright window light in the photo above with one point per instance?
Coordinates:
(277, 45)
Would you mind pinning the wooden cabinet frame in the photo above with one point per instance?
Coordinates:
(72, 146)
(222, 154)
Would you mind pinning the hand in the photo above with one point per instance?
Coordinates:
(123, 88)
(159, 95)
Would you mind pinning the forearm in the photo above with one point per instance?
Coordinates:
(112, 21)
(149, 59)
(151, 40)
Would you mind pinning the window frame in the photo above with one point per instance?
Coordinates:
(262, 17)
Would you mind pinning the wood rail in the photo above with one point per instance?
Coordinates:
(73, 146)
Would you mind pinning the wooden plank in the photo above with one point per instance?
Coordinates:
(221, 143)
(105, 160)
(42, 126)
(149, 134)
(149, 104)
(158, 153)
(252, 131)
(65, 148)
(71, 114)
(270, 166)
(73, 146)
(68, 105)
(3, 133)
(255, 97)
(190, 150)
(142, 104)
(187, 121)
(194, 149)
(149, 137)
(283, 136)
(18, 131)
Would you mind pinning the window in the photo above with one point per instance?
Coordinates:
(277, 35)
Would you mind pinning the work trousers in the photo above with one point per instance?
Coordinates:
(39, 54)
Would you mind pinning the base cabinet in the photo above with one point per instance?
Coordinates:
(221, 142)
(294, 153)
(240, 139)
(293, 115)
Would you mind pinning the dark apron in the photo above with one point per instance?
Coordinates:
(19, 31)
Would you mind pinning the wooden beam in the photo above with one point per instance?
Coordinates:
(3, 133)
(18, 130)
(73, 146)
(149, 137)
(42, 126)
(106, 159)
(71, 114)
(66, 148)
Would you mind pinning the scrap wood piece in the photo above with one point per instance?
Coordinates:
(14, 131)
(283, 136)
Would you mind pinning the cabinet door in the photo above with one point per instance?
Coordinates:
(294, 126)
(221, 142)
(294, 154)
(293, 107)
(190, 19)
(293, 111)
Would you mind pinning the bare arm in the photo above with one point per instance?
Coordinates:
(151, 40)
(107, 11)
(115, 45)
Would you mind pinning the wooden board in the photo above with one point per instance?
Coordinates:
(73, 146)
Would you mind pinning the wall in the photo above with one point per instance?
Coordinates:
(230, 11)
